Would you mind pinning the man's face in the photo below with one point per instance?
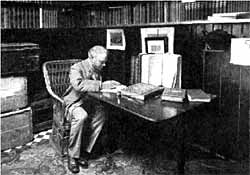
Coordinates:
(100, 61)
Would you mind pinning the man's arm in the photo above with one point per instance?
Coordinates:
(81, 83)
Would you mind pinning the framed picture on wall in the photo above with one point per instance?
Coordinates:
(156, 44)
(115, 39)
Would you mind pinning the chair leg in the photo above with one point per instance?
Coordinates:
(59, 140)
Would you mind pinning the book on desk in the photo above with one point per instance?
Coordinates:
(141, 91)
(198, 95)
(178, 95)
(173, 94)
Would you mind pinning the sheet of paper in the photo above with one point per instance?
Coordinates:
(155, 70)
(169, 69)
(117, 89)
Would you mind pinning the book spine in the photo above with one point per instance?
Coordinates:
(37, 18)
(139, 69)
(30, 17)
(132, 70)
(45, 19)
(40, 18)
(50, 18)
(56, 18)
(18, 19)
(3, 18)
(136, 79)
(12, 17)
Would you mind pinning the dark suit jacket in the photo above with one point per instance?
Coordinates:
(83, 78)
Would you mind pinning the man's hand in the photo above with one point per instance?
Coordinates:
(110, 84)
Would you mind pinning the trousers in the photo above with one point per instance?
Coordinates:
(87, 121)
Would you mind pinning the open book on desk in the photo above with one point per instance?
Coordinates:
(112, 86)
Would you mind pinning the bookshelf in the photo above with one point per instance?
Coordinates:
(55, 14)
(28, 16)
(159, 12)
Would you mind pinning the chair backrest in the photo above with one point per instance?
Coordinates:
(56, 75)
(161, 69)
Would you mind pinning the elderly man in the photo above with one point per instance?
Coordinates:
(84, 77)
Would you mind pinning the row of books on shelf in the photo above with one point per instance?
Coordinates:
(141, 12)
(160, 12)
(28, 17)
(50, 2)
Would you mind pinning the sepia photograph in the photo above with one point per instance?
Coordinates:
(125, 87)
(115, 39)
(156, 44)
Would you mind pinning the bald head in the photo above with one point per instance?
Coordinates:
(97, 50)
(98, 56)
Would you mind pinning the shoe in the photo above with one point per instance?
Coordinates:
(83, 162)
(73, 165)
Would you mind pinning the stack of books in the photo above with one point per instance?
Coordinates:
(173, 94)
(198, 95)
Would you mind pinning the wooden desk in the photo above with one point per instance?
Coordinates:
(155, 110)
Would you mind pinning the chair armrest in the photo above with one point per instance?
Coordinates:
(56, 97)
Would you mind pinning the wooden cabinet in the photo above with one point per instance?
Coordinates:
(231, 83)
(23, 59)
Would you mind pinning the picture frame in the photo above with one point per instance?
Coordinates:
(156, 44)
(115, 39)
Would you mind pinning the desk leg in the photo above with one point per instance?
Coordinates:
(180, 158)
(180, 145)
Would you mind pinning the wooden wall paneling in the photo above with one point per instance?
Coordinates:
(192, 30)
(227, 28)
(237, 30)
(226, 138)
(209, 27)
(232, 138)
(244, 106)
(246, 30)
(199, 29)
(185, 42)
(213, 61)
(217, 27)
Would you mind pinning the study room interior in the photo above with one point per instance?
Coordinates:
(175, 85)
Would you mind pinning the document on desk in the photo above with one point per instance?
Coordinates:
(112, 86)
(115, 89)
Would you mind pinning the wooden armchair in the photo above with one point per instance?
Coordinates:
(56, 75)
